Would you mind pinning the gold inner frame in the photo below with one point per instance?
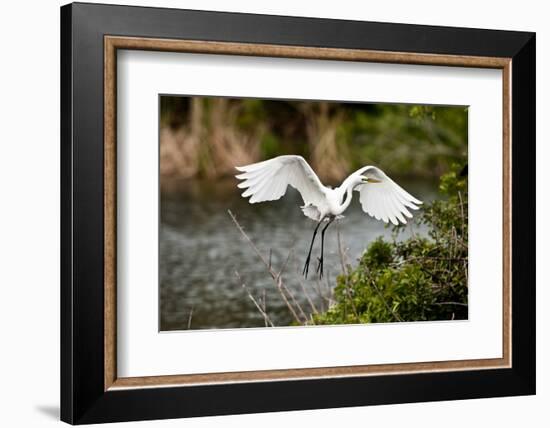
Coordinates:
(113, 43)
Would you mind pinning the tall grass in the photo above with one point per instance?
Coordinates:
(207, 143)
(207, 137)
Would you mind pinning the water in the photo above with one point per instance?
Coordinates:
(201, 250)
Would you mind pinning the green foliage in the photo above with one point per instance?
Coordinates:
(251, 112)
(408, 140)
(269, 145)
(417, 279)
(421, 112)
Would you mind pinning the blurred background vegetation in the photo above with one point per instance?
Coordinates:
(207, 137)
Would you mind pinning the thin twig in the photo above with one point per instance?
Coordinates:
(283, 268)
(308, 298)
(324, 297)
(316, 290)
(264, 307)
(287, 303)
(190, 318)
(451, 303)
(352, 303)
(411, 259)
(256, 250)
(274, 275)
(285, 288)
(345, 273)
(262, 311)
(461, 210)
(330, 289)
(397, 317)
(340, 249)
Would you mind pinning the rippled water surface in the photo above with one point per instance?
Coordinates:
(202, 251)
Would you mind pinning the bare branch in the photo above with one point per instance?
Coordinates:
(340, 249)
(306, 294)
(256, 250)
(461, 210)
(323, 296)
(190, 318)
(451, 303)
(264, 307)
(345, 272)
(276, 278)
(283, 268)
(285, 291)
(285, 288)
(262, 311)
(316, 288)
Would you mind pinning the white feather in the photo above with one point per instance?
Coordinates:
(268, 180)
(384, 199)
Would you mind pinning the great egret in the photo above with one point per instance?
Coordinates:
(379, 195)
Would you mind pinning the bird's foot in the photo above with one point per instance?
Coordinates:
(306, 268)
(319, 269)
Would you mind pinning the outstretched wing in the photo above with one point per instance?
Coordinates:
(268, 180)
(384, 199)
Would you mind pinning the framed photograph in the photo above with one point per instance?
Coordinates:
(266, 213)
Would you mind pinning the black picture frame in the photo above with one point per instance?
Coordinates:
(83, 398)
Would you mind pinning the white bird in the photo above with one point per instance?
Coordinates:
(379, 195)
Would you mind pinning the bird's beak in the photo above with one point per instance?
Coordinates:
(371, 180)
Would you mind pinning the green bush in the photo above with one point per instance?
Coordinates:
(418, 279)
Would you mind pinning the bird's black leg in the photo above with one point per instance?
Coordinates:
(320, 265)
(306, 266)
